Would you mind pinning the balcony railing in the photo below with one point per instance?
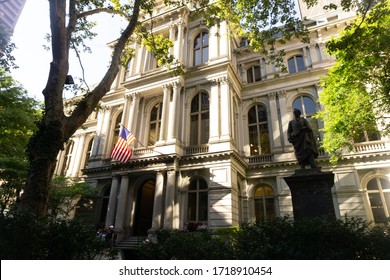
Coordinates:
(371, 146)
(260, 159)
(194, 150)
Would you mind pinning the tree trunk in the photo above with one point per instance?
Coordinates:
(42, 151)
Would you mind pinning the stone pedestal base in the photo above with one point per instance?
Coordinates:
(311, 194)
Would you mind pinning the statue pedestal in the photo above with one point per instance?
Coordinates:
(311, 194)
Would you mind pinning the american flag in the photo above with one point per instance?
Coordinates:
(122, 151)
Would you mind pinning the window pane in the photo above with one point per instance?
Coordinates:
(264, 140)
(205, 102)
(204, 130)
(152, 134)
(153, 113)
(252, 115)
(310, 107)
(197, 59)
(193, 185)
(291, 65)
(194, 130)
(205, 39)
(203, 206)
(253, 140)
(249, 75)
(202, 185)
(205, 55)
(197, 42)
(259, 210)
(262, 113)
(297, 104)
(191, 207)
(195, 104)
(385, 183)
(257, 73)
(300, 63)
(372, 184)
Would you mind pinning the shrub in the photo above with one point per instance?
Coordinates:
(277, 239)
(25, 237)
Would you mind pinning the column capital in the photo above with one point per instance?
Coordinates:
(132, 95)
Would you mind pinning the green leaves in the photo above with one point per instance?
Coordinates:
(356, 90)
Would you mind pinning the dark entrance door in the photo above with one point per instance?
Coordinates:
(144, 208)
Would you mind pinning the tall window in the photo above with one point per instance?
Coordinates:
(378, 190)
(155, 124)
(197, 201)
(296, 64)
(258, 130)
(264, 203)
(308, 108)
(88, 152)
(116, 131)
(253, 74)
(201, 48)
(199, 133)
(68, 158)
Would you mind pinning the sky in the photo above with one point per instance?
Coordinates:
(34, 61)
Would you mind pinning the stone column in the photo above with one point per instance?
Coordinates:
(225, 109)
(172, 37)
(284, 116)
(214, 111)
(180, 46)
(174, 112)
(170, 199)
(165, 111)
(112, 202)
(158, 199)
(122, 200)
(134, 97)
(274, 122)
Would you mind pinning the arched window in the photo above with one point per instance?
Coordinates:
(88, 153)
(197, 201)
(308, 108)
(199, 133)
(253, 74)
(201, 48)
(155, 124)
(68, 158)
(258, 130)
(296, 64)
(264, 199)
(378, 191)
(116, 131)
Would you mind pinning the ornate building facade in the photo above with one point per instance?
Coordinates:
(212, 142)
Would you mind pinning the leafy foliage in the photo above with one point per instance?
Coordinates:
(356, 90)
(25, 237)
(18, 114)
(65, 192)
(278, 239)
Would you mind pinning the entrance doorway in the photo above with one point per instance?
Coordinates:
(144, 208)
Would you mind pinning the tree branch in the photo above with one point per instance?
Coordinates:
(91, 99)
(103, 10)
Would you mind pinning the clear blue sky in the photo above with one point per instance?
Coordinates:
(34, 61)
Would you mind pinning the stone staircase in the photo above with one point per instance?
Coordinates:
(131, 242)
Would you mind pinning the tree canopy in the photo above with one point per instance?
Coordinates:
(18, 114)
(356, 91)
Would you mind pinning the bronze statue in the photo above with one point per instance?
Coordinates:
(301, 136)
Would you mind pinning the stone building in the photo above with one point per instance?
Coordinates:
(212, 143)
